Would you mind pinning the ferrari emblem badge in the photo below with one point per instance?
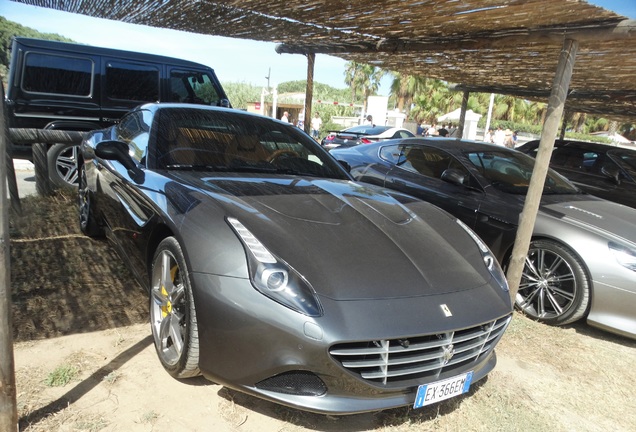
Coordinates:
(446, 310)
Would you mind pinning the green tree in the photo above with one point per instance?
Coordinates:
(9, 29)
(362, 78)
(404, 88)
(240, 93)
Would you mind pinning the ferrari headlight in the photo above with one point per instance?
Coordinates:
(625, 256)
(275, 278)
(489, 259)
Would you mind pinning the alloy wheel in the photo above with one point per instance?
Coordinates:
(167, 308)
(66, 165)
(548, 287)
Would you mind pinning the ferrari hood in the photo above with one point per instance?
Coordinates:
(597, 214)
(354, 241)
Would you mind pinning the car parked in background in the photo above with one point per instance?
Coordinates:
(582, 258)
(270, 271)
(76, 87)
(607, 171)
(363, 134)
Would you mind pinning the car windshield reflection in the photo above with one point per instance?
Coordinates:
(189, 139)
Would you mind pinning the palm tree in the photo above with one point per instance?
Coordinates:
(432, 101)
(404, 88)
(351, 72)
(362, 78)
(370, 78)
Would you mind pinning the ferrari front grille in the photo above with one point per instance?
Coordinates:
(419, 357)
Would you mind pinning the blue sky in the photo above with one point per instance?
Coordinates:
(234, 60)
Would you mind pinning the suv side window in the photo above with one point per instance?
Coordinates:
(57, 74)
(192, 87)
(133, 129)
(128, 81)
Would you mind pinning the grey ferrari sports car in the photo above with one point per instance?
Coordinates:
(270, 271)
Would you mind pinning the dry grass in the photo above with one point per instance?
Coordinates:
(557, 379)
(62, 281)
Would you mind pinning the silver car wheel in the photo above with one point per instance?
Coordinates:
(172, 314)
(63, 169)
(554, 286)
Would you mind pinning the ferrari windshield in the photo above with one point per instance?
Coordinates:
(232, 141)
(511, 171)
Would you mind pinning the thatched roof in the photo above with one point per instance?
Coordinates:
(500, 46)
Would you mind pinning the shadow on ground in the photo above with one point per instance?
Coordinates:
(63, 282)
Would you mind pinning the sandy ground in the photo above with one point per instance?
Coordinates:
(120, 386)
(78, 315)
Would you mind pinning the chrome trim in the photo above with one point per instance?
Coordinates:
(57, 117)
(423, 357)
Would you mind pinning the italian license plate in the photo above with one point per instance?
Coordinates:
(441, 390)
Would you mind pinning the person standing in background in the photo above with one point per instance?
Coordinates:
(432, 131)
(508, 141)
(285, 117)
(488, 136)
(316, 124)
(443, 132)
(499, 136)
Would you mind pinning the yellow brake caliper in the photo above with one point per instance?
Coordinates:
(165, 310)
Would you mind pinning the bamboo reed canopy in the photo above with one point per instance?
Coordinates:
(496, 46)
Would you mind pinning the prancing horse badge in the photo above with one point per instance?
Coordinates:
(446, 310)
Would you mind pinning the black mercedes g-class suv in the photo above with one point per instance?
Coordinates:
(72, 87)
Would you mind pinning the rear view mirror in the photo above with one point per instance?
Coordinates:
(345, 165)
(611, 171)
(118, 151)
(454, 177)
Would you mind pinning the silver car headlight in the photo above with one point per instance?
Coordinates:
(624, 255)
(489, 259)
(275, 278)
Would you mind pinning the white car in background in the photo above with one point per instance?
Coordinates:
(363, 134)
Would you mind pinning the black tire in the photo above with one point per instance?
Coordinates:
(172, 314)
(87, 222)
(554, 288)
(40, 165)
(62, 166)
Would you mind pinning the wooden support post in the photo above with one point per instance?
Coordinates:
(8, 404)
(462, 115)
(550, 128)
(309, 91)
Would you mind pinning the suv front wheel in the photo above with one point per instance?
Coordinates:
(62, 165)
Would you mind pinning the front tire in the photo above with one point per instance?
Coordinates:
(554, 287)
(172, 313)
(87, 222)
